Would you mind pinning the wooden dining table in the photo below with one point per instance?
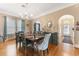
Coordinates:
(34, 38)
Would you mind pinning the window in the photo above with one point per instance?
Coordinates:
(37, 27)
(19, 23)
(11, 26)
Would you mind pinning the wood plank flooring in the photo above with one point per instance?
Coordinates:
(8, 48)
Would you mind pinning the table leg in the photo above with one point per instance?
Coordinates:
(35, 48)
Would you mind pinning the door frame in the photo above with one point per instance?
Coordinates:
(60, 29)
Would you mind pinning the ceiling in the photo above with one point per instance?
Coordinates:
(31, 9)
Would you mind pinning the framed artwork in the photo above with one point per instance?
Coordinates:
(49, 24)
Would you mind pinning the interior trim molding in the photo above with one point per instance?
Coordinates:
(52, 11)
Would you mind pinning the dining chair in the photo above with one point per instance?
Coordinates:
(43, 46)
(26, 43)
(18, 40)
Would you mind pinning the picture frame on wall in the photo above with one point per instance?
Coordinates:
(49, 24)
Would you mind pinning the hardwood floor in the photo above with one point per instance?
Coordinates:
(8, 48)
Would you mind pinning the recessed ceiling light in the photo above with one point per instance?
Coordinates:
(23, 5)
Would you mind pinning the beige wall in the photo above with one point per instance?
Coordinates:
(54, 17)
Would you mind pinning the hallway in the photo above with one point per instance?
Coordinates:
(67, 39)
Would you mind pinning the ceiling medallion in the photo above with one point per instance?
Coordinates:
(24, 5)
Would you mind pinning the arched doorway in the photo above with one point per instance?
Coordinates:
(66, 32)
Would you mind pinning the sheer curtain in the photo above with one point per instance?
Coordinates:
(19, 22)
(11, 26)
(20, 25)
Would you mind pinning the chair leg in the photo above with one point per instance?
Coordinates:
(42, 52)
(16, 44)
(19, 45)
(25, 50)
(38, 52)
(47, 51)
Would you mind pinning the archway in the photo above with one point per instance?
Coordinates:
(66, 25)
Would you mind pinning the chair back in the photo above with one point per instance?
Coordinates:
(21, 36)
(17, 36)
(44, 44)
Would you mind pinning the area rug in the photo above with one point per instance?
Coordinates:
(67, 39)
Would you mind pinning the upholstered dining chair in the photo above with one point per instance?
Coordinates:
(18, 39)
(42, 47)
(26, 43)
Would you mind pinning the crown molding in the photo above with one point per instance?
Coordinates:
(52, 11)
